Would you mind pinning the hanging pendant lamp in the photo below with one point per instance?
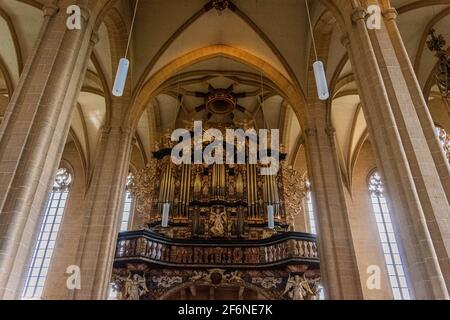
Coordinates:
(319, 69)
(124, 63)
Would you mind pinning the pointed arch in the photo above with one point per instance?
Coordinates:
(149, 90)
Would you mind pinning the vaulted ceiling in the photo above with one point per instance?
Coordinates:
(276, 33)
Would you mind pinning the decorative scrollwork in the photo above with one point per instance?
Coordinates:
(166, 281)
(267, 282)
(156, 283)
(295, 191)
(144, 187)
(217, 276)
(437, 44)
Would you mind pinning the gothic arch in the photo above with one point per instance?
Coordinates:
(295, 98)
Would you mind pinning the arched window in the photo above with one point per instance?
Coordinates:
(48, 232)
(310, 209)
(392, 256)
(127, 208)
(444, 138)
(312, 222)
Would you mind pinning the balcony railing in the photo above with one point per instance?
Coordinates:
(284, 249)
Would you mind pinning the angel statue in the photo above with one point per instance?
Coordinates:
(135, 286)
(296, 288)
(313, 289)
(217, 221)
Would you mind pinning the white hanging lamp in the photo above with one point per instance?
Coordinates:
(271, 216)
(124, 63)
(165, 216)
(319, 69)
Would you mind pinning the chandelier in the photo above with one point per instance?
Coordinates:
(437, 44)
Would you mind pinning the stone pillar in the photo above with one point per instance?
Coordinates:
(418, 99)
(337, 257)
(103, 209)
(338, 263)
(33, 135)
(402, 147)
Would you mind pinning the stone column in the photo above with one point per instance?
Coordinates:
(104, 206)
(337, 257)
(417, 98)
(338, 263)
(33, 135)
(402, 147)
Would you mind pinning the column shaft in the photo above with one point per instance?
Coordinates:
(104, 205)
(402, 153)
(32, 139)
(337, 257)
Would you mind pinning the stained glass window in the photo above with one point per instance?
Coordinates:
(391, 252)
(310, 209)
(48, 232)
(444, 138)
(127, 208)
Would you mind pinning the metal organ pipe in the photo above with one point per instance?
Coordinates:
(167, 187)
(185, 184)
(222, 180)
(218, 180)
(252, 190)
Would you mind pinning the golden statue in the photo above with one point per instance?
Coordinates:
(205, 185)
(217, 221)
(134, 287)
(231, 185)
(197, 183)
(240, 184)
(297, 288)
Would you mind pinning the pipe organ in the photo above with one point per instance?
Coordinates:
(229, 232)
(217, 201)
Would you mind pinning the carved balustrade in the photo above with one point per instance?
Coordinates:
(283, 249)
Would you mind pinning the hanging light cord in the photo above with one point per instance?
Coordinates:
(262, 91)
(312, 31)
(131, 28)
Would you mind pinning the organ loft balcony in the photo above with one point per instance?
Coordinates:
(288, 249)
(221, 231)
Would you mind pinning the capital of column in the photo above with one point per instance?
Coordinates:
(390, 14)
(330, 131)
(95, 38)
(50, 10)
(106, 130)
(310, 132)
(125, 130)
(85, 13)
(359, 13)
(345, 40)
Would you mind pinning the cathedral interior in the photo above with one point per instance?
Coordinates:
(93, 207)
